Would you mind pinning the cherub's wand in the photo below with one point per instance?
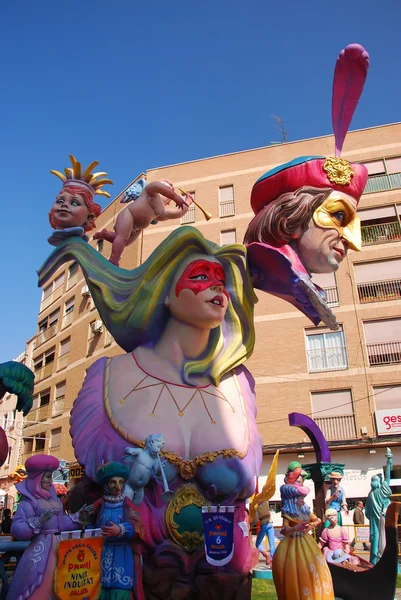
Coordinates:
(207, 215)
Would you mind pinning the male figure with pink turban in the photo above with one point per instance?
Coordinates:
(39, 518)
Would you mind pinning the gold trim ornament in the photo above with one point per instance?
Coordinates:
(338, 170)
(185, 497)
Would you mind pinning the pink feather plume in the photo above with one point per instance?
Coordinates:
(349, 78)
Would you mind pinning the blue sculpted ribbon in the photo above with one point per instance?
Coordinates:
(218, 531)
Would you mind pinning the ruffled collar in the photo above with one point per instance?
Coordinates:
(280, 272)
(114, 499)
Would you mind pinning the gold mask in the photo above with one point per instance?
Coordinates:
(336, 213)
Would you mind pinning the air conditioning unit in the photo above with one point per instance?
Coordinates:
(97, 327)
(85, 291)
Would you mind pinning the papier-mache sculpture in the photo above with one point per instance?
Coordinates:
(185, 320)
(305, 210)
(298, 563)
(150, 205)
(115, 514)
(143, 463)
(74, 211)
(39, 518)
(376, 506)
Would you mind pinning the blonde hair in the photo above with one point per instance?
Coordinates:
(131, 303)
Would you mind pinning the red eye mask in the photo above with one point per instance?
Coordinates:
(213, 275)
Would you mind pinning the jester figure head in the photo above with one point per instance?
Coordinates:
(74, 205)
(310, 202)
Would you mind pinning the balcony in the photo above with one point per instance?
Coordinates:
(227, 208)
(384, 353)
(45, 371)
(68, 319)
(189, 217)
(46, 335)
(332, 296)
(327, 359)
(58, 406)
(72, 280)
(381, 233)
(380, 183)
(379, 291)
(62, 361)
(337, 427)
(42, 413)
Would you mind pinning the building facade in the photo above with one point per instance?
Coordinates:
(349, 381)
(13, 423)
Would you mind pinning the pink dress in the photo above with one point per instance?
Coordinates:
(332, 542)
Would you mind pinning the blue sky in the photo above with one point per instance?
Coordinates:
(139, 85)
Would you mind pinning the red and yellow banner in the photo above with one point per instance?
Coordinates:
(78, 571)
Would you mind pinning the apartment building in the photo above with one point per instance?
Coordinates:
(349, 381)
(13, 424)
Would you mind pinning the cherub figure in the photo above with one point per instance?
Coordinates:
(149, 205)
(144, 464)
(74, 211)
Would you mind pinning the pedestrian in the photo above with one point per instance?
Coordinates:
(359, 519)
(6, 522)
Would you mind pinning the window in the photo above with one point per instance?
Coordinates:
(229, 236)
(384, 174)
(64, 352)
(226, 201)
(108, 338)
(190, 216)
(43, 364)
(69, 312)
(380, 225)
(42, 325)
(28, 445)
(94, 335)
(379, 280)
(37, 363)
(44, 398)
(325, 350)
(52, 292)
(9, 455)
(40, 441)
(387, 397)
(5, 421)
(49, 356)
(58, 282)
(65, 346)
(327, 281)
(53, 318)
(72, 275)
(35, 401)
(59, 398)
(333, 411)
(48, 327)
(383, 341)
(55, 437)
(47, 291)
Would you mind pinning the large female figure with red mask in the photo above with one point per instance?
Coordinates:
(185, 319)
(39, 518)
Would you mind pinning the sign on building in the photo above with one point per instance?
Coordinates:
(388, 421)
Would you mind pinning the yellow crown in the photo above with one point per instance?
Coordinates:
(86, 177)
